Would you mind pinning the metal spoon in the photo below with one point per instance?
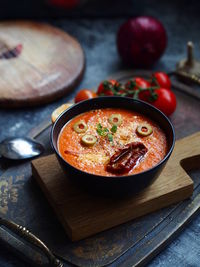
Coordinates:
(20, 148)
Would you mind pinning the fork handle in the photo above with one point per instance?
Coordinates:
(32, 239)
(191, 77)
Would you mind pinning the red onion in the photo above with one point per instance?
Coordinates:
(64, 3)
(141, 41)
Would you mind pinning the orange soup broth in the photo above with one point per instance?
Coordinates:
(94, 159)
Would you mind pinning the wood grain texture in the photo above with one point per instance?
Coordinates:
(50, 63)
(83, 215)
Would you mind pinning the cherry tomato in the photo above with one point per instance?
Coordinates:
(140, 82)
(84, 94)
(122, 92)
(162, 79)
(166, 100)
(105, 87)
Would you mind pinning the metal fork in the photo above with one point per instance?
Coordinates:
(189, 68)
(27, 236)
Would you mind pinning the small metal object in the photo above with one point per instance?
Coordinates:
(20, 148)
(189, 68)
(29, 237)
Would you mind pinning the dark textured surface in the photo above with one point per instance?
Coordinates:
(140, 237)
(97, 36)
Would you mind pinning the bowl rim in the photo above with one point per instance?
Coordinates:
(113, 176)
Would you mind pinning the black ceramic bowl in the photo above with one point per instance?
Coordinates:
(117, 184)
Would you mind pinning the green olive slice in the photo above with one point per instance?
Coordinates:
(115, 119)
(88, 140)
(80, 127)
(144, 129)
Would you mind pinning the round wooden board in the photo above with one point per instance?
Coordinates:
(38, 63)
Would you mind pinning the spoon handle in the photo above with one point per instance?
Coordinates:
(29, 237)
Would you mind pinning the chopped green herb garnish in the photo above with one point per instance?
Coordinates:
(105, 132)
(99, 126)
(102, 131)
(110, 137)
(114, 129)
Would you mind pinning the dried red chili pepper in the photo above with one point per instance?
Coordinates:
(126, 158)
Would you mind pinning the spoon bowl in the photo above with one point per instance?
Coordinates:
(20, 148)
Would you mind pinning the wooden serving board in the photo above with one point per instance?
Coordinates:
(83, 215)
(38, 63)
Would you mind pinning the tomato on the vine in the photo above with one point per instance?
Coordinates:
(106, 87)
(161, 79)
(84, 94)
(142, 83)
(136, 83)
(164, 100)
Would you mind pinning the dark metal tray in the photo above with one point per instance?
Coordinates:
(130, 244)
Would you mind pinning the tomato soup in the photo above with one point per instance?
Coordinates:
(112, 142)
